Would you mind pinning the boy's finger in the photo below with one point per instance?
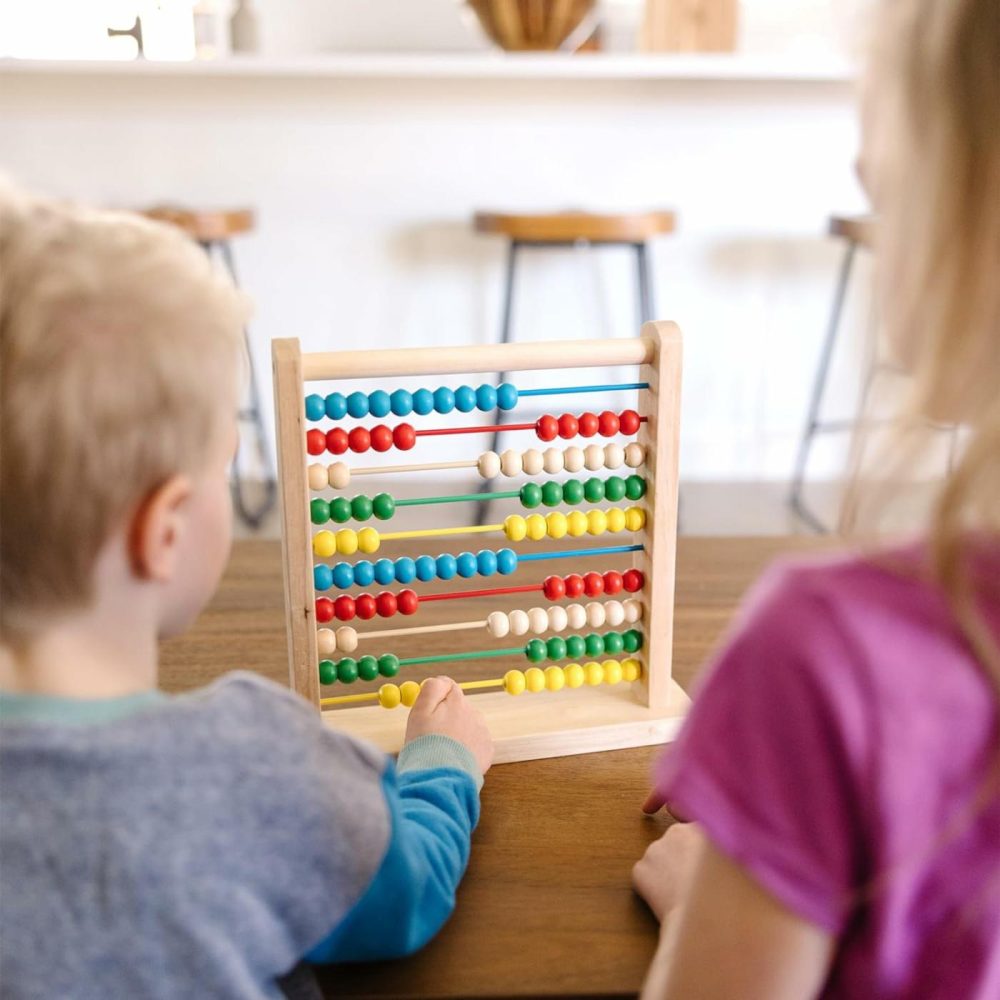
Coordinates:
(655, 801)
(433, 691)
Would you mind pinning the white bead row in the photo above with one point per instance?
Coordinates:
(559, 618)
(573, 459)
(344, 640)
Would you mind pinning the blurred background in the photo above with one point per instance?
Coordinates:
(339, 149)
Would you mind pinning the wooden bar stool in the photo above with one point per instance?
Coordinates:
(571, 229)
(214, 231)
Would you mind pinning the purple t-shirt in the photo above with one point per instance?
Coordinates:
(837, 750)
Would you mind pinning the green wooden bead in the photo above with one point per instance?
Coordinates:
(572, 491)
(593, 489)
(635, 487)
(340, 509)
(593, 644)
(556, 647)
(615, 488)
(327, 671)
(531, 495)
(632, 640)
(388, 665)
(383, 506)
(535, 650)
(552, 493)
(575, 646)
(347, 670)
(368, 668)
(614, 642)
(319, 510)
(361, 507)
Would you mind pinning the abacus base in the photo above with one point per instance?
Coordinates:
(547, 724)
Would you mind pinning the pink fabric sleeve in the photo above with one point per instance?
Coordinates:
(775, 757)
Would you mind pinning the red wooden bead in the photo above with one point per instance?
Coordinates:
(589, 424)
(607, 424)
(359, 439)
(633, 580)
(628, 421)
(381, 437)
(404, 437)
(547, 427)
(365, 606)
(593, 584)
(336, 440)
(568, 426)
(387, 604)
(324, 609)
(554, 588)
(407, 601)
(613, 582)
(574, 585)
(315, 441)
(343, 608)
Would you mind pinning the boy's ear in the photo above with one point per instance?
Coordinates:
(157, 528)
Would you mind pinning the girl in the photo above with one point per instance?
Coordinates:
(842, 759)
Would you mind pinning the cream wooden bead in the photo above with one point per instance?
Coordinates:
(614, 456)
(498, 624)
(533, 462)
(576, 616)
(510, 463)
(554, 460)
(596, 615)
(519, 622)
(633, 610)
(615, 613)
(635, 455)
(339, 475)
(538, 620)
(594, 457)
(573, 459)
(326, 641)
(489, 465)
(317, 477)
(557, 618)
(347, 639)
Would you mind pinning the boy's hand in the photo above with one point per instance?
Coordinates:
(655, 801)
(662, 875)
(442, 708)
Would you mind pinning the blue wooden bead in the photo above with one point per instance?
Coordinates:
(486, 398)
(336, 406)
(364, 573)
(426, 568)
(506, 561)
(423, 402)
(401, 402)
(466, 564)
(406, 570)
(357, 404)
(446, 566)
(444, 400)
(315, 407)
(343, 575)
(465, 399)
(322, 577)
(486, 562)
(385, 572)
(379, 403)
(506, 396)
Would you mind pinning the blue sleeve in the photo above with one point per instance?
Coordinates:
(433, 812)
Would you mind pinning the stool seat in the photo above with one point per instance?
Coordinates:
(568, 227)
(204, 225)
(858, 229)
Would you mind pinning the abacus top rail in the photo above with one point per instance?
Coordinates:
(481, 358)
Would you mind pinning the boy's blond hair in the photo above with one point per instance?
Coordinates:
(118, 340)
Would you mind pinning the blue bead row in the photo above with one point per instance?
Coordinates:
(402, 403)
(364, 573)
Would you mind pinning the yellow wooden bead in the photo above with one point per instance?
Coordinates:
(576, 523)
(513, 682)
(555, 523)
(388, 696)
(612, 671)
(534, 679)
(326, 641)
(535, 524)
(408, 692)
(615, 519)
(574, 675)
(347, 541)
(597, 522)
(317, 476)
(635, 519)
(324, 544)
(368, 540)
(594, 673)
(555, 678)
(515, 528)
(631, 669)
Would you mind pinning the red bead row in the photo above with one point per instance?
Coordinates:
(366, 606)
(608, 424)
(359, 439)
(556, 588)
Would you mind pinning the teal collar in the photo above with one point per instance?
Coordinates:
(17, 707)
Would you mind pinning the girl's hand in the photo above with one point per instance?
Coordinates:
(663, 873)
(655, 801)
(441, 707)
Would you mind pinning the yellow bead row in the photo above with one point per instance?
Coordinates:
(345, 542)
(575, 523)
(573, 675)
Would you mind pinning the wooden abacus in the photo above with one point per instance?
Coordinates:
(627, 700)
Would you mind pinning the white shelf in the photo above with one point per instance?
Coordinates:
(484, 66)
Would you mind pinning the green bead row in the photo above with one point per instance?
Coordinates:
(576, 646)
(365, 668)
(359, 508)
(573, 491)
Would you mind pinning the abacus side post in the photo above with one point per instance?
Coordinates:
(296, 544)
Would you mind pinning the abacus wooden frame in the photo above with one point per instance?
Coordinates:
(548, 724)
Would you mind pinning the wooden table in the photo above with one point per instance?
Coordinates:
(546, 908)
